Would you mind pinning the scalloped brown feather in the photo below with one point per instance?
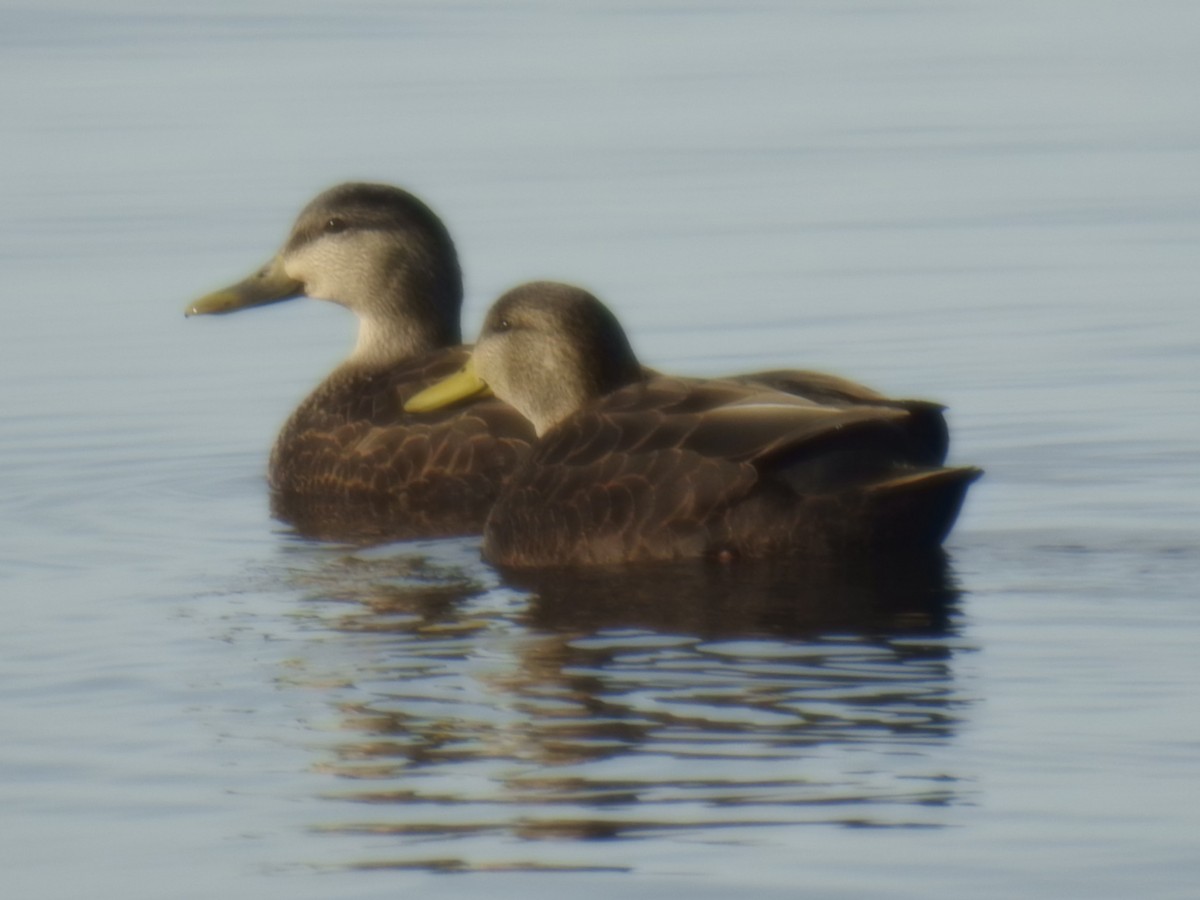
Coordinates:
(351, 465)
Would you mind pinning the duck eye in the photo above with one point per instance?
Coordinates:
(335, 225)
(502, 325)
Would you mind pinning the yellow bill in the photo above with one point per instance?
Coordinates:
(270, 284)
(462, 384)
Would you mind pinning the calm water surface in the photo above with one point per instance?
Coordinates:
(991, 204)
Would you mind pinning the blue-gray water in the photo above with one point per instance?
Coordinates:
(994, 204)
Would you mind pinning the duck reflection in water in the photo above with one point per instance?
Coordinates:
(786, 597)
(624, 702)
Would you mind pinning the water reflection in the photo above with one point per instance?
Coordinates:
(785, 598)
(575, 706)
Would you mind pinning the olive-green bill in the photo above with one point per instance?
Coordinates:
(462, 384)
(270, 284)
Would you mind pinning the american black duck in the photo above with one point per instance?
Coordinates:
(350, 464)
(632, 466)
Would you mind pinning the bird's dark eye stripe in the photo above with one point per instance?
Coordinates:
(335, 224)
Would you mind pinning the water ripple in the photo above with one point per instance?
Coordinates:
(573, 708)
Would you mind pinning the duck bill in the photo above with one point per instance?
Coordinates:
(462, 384)
(270, 284)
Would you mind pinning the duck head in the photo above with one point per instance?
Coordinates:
(376, 250)
(547, 349)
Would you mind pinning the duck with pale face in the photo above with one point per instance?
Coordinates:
(632, 466)
(350, 464)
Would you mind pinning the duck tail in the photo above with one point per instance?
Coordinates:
(918, 508)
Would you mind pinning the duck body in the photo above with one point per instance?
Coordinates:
(674, 469)
(632, 466)
(350, 465)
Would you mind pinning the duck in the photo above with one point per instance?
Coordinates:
(349, 464)
(633, 466)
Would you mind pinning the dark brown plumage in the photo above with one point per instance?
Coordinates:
(351, 465)
(632, 466)
(926, 430)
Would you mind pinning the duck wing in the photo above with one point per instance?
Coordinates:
(928, 433)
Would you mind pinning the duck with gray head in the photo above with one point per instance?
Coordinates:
(632, 466)
(350, 464)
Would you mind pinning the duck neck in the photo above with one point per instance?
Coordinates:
(383, 342)
(414, 312)
(562, 389)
